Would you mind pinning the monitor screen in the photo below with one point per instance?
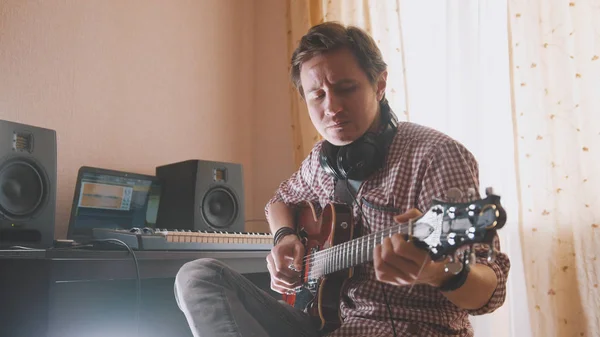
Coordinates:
(114, 200)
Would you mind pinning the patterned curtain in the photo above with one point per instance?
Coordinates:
(555, 66)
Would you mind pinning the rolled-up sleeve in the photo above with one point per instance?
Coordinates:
(299, 187)
(501, 266)
(451, 165)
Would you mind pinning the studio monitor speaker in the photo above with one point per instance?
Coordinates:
(201, 195)
(27, 185)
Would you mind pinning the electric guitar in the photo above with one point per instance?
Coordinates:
(333, 247)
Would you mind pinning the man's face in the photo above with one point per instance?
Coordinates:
(341, 101)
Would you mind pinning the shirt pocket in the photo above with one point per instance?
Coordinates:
(377, 216)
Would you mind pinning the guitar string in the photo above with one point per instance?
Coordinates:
(396, 229)
(342, 261)
(417, 277)
(331, 250)
(371, 235)
(356, 243)
(326, 253)
(339, 254)
(320, 262)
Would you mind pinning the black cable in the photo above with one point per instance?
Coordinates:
(389, 309)
(387, 303)
(138, 280)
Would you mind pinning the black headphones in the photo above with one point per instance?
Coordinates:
(361, 158)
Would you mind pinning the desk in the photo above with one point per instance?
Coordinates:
(68, 293)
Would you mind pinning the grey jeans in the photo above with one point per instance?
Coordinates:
(219, 302)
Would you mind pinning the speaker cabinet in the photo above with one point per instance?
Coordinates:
(201, 195)
(27, 185)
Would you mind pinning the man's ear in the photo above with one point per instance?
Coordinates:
(381, 84)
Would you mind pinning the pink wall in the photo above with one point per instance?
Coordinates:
(273, 159)
(130, 85)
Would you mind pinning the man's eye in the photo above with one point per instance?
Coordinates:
(348, 89)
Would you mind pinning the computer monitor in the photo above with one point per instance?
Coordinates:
(112, 199)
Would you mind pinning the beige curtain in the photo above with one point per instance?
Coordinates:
(301, 15)
(555, 65)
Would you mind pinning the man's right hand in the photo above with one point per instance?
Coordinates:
(288, 251)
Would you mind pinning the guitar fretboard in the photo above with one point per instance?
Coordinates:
(357, 251)
(443, 228)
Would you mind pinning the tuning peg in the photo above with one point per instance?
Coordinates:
(489, 191)
(453, 266)
(491, 254)
(471, 193)
(471, 258)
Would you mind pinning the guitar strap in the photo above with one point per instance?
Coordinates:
(346, 190)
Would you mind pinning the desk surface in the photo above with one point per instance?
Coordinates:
(81, 265)
(62, 253)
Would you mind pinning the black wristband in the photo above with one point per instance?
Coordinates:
(281, 232)
(457, 280)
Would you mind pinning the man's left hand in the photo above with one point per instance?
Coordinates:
(398, 261)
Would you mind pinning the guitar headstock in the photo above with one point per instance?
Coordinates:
(451, 225)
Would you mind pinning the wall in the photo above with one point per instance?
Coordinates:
(130, 85)
(273, 159)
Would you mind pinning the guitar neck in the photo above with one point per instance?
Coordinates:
(354, 252)
(442, 229)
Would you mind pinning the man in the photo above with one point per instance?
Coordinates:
(340, 73)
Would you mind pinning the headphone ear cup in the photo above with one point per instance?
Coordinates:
(361, 158)
(328, 159)
(358, 160)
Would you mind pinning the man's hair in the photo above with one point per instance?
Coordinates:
(330, 36)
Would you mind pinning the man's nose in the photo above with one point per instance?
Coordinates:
(333, 104)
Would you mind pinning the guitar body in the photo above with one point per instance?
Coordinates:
(322, 300)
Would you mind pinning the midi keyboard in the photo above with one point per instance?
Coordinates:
(163, 239)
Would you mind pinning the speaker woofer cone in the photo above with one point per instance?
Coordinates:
(22, 189)
(219, 207)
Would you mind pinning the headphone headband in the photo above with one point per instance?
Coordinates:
(361, 158)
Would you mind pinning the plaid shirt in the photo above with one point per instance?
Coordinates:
(421, 164)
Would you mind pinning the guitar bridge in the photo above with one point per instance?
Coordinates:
(312, 285)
